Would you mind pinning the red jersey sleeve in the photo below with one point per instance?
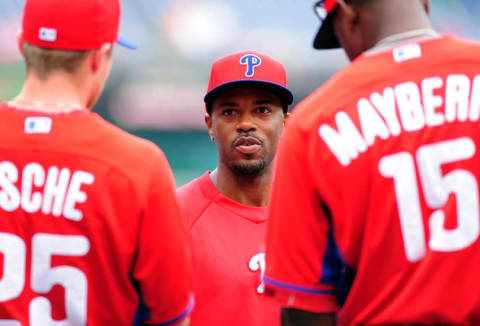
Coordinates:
(301, 264)
(163, 266)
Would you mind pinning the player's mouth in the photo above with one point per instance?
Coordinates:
(247, 145)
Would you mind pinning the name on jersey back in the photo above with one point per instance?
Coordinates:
(48, 190)
(406, 107)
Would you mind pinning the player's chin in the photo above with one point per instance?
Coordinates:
(248, 167)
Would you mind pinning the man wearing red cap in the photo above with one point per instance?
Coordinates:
(247, 102)
(375, 207)
(90, 231)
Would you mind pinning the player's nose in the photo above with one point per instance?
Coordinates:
(245, 123)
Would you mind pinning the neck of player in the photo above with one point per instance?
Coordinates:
(59, 93)
(246, 190)
(388, 26)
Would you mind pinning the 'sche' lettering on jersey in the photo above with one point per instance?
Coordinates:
(61, 189)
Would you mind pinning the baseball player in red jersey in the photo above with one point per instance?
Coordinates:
(374, 215)
(247, 102)
(90, 231)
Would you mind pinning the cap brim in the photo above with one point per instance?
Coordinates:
(127, 43)
(284, 93)
(325, 38)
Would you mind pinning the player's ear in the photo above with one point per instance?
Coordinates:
(20, 42)
(348, 14)
(208, 122)
(426, 5)
(98, 57)
(286, 116)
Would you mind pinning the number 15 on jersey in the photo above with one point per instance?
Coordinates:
(436, 189)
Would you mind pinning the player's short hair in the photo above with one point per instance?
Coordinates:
(45, 61)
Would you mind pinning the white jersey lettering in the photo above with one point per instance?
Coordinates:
(371, 124)
(33, 175)
(457, 93)
(385, 104)
(9, 195)
(406, 107)
(62, 190)
(410, 106)
(475, 100)
(75, 195)
(346, 143)
(55, 189)
(431, 102)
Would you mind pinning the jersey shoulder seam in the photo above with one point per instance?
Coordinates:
(200, 214)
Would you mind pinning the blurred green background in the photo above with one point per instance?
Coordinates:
(157, 91)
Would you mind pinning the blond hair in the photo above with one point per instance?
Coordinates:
(45, 61)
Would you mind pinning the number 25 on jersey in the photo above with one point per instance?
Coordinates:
(436, 190)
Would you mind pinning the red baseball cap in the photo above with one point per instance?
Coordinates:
(325, 38)
(72, 24)
(248, 69)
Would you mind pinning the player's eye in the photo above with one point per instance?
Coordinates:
(264, 109)
(228, 112)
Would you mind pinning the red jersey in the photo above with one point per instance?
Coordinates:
(375, 207)
(227, 241)
(90, 232)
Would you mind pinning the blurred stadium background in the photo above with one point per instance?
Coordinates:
(157, 91)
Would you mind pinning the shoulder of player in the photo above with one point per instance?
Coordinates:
(340, 90)
(192, 201)
(120, 146)
(137, 160)
(460, 46)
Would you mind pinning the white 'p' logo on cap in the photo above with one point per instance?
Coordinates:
(47, 34)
